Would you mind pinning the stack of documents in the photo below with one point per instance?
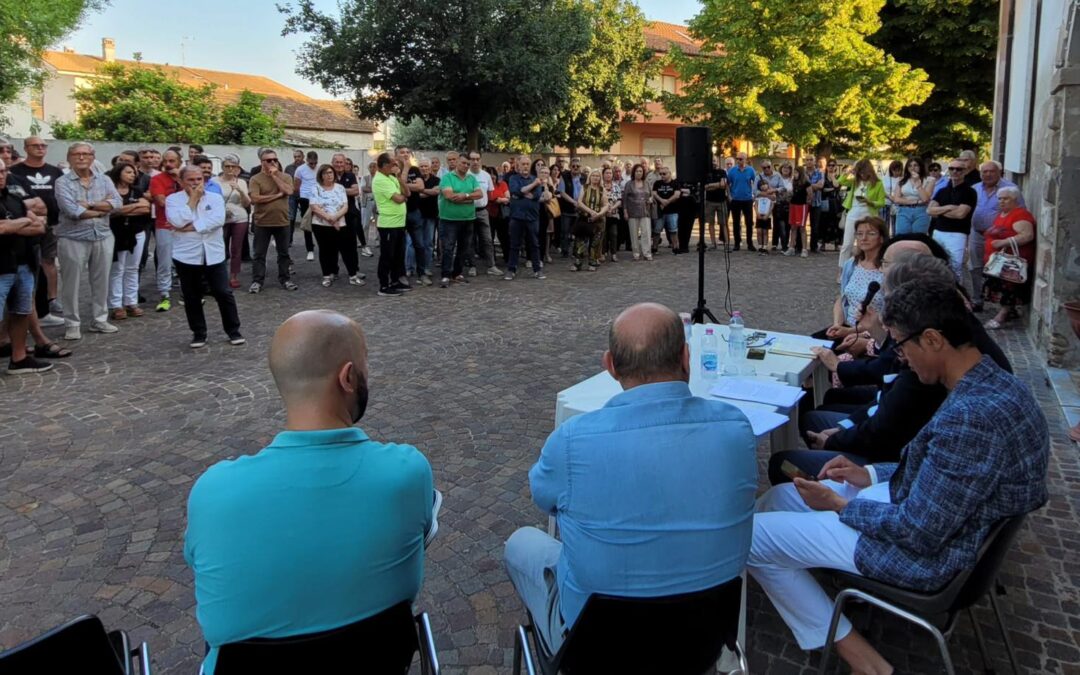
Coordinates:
(782, 396)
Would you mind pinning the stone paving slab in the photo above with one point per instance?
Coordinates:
(98, 455)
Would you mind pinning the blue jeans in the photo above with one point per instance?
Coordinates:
(670, 221)
(531, 557)
(17, 291)
(530, 231)
(912, 219)
(421, 232)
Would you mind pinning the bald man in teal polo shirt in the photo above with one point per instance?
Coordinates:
(324, 526)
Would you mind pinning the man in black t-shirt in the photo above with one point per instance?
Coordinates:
(429, 215)
(347, 237)
(951, 210)
(414, 254)
(716, 208)
(665, 192)
(40, 177)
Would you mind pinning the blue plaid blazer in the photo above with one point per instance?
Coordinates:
(981, 458)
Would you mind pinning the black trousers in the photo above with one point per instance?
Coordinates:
(191, 286)
(780, 216)
(391, 255)
(262, 244)
(353, 219)
(686, 228)
(745, 209)
(333, 243)
(302, 207)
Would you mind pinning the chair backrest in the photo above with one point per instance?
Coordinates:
(79, 646)
(383, 643)
(672, 634)
(992, 554)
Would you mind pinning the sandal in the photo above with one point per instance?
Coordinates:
(51, 350)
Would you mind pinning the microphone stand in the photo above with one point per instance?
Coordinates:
(701, 311)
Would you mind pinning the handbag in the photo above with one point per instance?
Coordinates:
(553, 207)
(1007, 266)
(305, 221)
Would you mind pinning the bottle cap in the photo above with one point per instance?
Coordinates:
(708, 331)
(736, 313)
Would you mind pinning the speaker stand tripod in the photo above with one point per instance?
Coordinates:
(701, 311)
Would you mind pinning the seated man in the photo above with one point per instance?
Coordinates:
(323, 527)
(916, 524)
(653, 493)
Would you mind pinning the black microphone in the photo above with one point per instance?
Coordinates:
(871, 290)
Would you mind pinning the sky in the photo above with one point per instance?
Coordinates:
(242, 36)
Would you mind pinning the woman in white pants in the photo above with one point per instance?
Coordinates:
(866, 197)
(128, 225)
(636, 198)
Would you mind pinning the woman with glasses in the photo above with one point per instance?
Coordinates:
(234, 189)
(866, 197)
(329, 204)
(862, 269)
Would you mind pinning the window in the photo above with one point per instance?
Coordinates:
(657, 146)
(662, 83)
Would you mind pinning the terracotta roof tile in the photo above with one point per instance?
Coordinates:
(659, 36)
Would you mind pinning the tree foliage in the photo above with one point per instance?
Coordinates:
(478, 63)
(608, 81)
(441, 135)
(956, 43)
(802, 72)
(149, 105)
(26, 30)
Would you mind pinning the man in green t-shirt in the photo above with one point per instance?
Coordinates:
(391, 192)
(459, 189)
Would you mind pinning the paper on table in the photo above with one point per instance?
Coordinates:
(761, 421)
(792, 346)
(772, 393)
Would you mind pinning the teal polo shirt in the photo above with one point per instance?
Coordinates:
(318, 530)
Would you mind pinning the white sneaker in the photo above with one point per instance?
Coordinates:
(327, 280)
(494, 271)
(310, 256)
(73, 333)
(472, 271)
(366, 252)
(102, 327)
(55, 307)
(355, 280)
(50, 321)
(804, 254)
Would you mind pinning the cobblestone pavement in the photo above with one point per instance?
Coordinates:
(98, 455)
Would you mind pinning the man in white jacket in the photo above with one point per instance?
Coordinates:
(198, 253)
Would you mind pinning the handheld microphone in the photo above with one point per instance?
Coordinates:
(871, 290)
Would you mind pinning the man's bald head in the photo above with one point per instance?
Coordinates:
(904, 249)
(309, 351)
(646, 343)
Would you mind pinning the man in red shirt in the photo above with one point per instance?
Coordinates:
(161, 186)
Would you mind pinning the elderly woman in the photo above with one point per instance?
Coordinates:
(862, 269)
(329, 204)
(1013, 229)
(234, 190)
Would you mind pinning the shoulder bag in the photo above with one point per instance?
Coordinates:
(1007, 266)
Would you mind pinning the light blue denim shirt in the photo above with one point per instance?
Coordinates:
(70, 196)
(654, 495)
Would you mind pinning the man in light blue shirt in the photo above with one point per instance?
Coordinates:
(653, 493)
(742, 183)
(982, 218)
(322, 528)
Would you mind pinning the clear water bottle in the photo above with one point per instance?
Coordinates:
(710, 355)
(736, 341)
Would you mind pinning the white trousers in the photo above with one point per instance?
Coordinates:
(791, 538)
(956, 245)
(641, 236)
(124, 277)
(163, 261)
(96, 258)
(976, 253)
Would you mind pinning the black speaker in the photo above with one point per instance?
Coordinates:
(693, 154)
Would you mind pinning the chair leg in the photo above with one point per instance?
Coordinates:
(429, 658)
(744, 667)
(522, 652)
(838, 608)
(1004, 631)
(144, 658)
(979, 638)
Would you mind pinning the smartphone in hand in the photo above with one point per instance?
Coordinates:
(793, 472)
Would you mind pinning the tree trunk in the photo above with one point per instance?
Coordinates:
(472, 137)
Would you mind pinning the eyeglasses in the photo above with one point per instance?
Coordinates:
(957, 169)
(38, 145)
(898, 348)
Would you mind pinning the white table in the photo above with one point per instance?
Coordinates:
(596, 391)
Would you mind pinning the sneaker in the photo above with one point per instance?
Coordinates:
(290, 286)
(310, 256)
(494, 271)
(403, 281)
(255, 287)
(804, 254)
(539, 275)
(789, 253)
(472, 271)
(547, 259)
(509, 276)
(749, 248)
(614, 257)
(28, 365)
(762, 251)
(197, 343)
(356, 280)
(389, 292)
(366, 252)
(425, 279)
(444, 282)
(237, 340)
(326, 281)
(117, 314)
(461, 279)
(55, 307)
(736, 247)
(50, 320)
(593, 268)
(102, 327)
(73, 333)
(402, 287)
(648, 258)
(133, 311)
(575, 268)
(164, 306)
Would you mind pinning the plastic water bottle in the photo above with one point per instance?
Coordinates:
(736, 341)
(710, 356)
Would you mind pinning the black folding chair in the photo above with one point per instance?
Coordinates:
(963, 592)
(79, 646)
(676, 635)
(380, 644)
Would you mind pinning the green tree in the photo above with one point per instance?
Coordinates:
(26, 30)
(608, 80)
(956, 43)
(783, 69)
(443, 134)
(246, 122)
(479, 63)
